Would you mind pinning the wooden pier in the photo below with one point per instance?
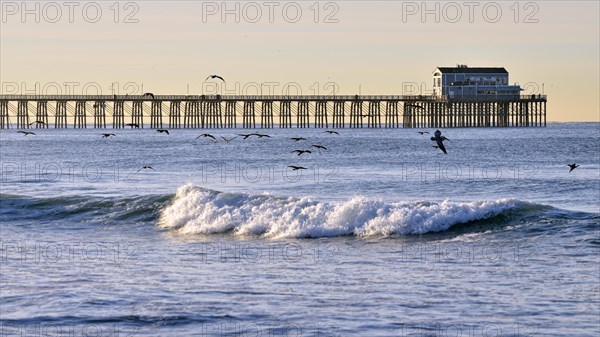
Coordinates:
(216, 111)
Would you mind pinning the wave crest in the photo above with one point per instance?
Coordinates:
(202, 211)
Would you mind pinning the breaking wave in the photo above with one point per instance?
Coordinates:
(197, 210)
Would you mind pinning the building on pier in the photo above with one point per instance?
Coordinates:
(463, 82)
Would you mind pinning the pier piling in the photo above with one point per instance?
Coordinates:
(218, 111)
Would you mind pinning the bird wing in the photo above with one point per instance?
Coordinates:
(221, 78)
(167, 132)
(441, 145)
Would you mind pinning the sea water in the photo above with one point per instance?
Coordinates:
(381, 235)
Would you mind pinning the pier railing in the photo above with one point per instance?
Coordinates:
(430, 98)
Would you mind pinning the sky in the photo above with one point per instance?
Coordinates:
(307, 47)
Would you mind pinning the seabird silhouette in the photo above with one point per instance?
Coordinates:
(300, 152)
(259, 135)
(228, 140)
(296, 139)
(320, 147)
(296, 168)
(215, 76)
(162, 131)
(106, 135)
(25, 133)
(149, 94)
(146, 167)
(332, 132)
(439, 139)
(133, 125)
(37, 122)
(422, 132)
(246, 136)
(572, 166)
(208, 135)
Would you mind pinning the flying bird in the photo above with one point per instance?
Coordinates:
(332, 132)
(149, 94)
(146, 167)
(297, 139)
(246, 136)
(228, 140)
(215, 76)
(262, 135)
(133, 125)
(572, 166)
(415, 106)
(439, 139)
(25, 133)
(422, 132)
(208, 135)
(106, 135)
(300, 152)
(296, 168)
(162, 131)
(320, 147)
(37, 122)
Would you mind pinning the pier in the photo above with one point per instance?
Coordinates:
(247, 111)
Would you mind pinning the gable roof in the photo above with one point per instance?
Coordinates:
(474, 70)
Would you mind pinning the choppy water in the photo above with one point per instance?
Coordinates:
(382, 235)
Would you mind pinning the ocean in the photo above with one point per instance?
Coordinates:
(381, 235)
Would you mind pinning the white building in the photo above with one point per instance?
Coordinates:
(465, 82)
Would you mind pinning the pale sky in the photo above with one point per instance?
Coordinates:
(377, 47)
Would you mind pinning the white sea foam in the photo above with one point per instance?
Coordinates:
(201, 211)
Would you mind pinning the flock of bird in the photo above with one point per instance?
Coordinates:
(214, 139)
(437, 138)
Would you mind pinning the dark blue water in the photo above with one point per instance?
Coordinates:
(382, 235)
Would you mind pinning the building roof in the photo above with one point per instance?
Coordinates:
(474, 70)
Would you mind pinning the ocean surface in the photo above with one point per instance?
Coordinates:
(381, 235)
